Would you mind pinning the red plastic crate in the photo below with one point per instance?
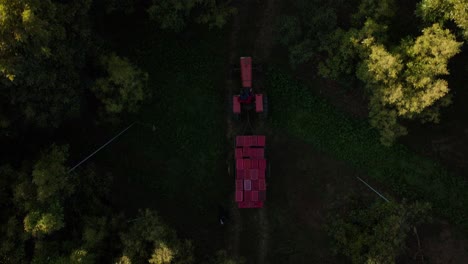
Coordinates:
(253, 174)
(254, 164)
(247, 163)
(261, 185)
(239, 196)
(239, 164)
(261, 164)
(261, 141)
(240, 174)
(246, 151)
(254, 196)
(247, 141)
(247, 196)
(239, 185)
(247, 175)
(247, 185)
(254, 185)
(253, 140)
(238, 153)
(261, 174)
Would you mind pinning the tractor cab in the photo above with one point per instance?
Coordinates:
(247, 99)
(246, 96)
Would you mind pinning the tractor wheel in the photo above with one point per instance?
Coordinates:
(265, 107)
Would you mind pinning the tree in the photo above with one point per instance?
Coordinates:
(148, 239)
(42, 196)
(405, 83)
(221, 257)
(444, 10)
(12, 241)
(173, 14)
(376, 234)
(380, 11)
(50, 174)
(12, 237)
(42, 52)
(126, 6)
(343, 50)
(54, 217)
(215, 13)
(304, 34)
(123, 88)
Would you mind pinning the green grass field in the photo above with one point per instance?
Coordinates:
(178, 168)
(296, 110)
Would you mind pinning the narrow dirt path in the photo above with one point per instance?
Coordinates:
(262, 45)
(262, 51)
(265, 37)
(236, 224)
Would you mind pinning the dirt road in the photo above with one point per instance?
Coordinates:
(260, 48)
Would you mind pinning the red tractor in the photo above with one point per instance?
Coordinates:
(251, 164)
(247, 99)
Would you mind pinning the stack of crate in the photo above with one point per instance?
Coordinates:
(250, 171)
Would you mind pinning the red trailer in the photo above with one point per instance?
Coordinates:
(250, 171)
(247, 99)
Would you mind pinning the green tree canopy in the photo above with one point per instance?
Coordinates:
(305, 32)
(42, 196)
(42, 51)
(403, 80)
(148, 239)
(52, 211)
(173, 14)
(406, 83)
(221, 257)
(123, 88)
(125, 6)
(376, 234)
(445, 10)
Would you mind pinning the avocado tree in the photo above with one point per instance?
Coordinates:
(442, 11)
(42, 196)
(150, 240)
(406, 83)
(378, 233)
(122, 88)
(43, 45)
(173, 14)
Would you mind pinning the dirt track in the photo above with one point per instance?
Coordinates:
(304, 183)
(263, 42)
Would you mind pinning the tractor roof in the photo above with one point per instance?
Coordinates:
(246, 71)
